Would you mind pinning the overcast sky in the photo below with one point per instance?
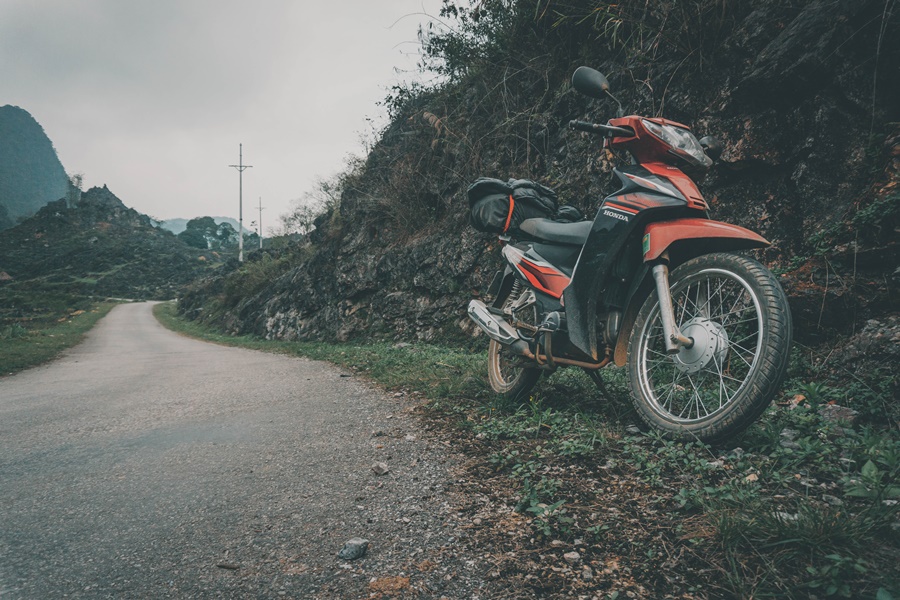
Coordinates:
(152, 98)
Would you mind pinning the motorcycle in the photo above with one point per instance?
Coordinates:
(652, 284)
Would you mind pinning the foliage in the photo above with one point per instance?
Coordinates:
(206, 234)
(323, 200)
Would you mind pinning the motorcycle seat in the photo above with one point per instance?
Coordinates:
(560, 233)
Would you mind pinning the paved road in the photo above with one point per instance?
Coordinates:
(146, 465)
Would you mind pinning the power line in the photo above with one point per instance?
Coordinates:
(241, 167)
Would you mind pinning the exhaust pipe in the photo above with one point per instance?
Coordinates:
(496, 328)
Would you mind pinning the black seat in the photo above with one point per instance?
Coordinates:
(560, 233)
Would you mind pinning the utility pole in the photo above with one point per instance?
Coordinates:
(261, 207)
(241, 167)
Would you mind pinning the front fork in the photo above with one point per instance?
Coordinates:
(673, 337)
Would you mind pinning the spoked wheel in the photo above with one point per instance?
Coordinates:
(507, 372)
(737, 315)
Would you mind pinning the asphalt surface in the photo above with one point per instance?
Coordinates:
(143, 464)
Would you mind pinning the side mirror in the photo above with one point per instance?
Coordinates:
(590, 82)
(712, 146)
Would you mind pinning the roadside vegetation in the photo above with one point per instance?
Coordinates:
(37, 327)
(804, 504)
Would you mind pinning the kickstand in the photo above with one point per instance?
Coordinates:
(598, 381)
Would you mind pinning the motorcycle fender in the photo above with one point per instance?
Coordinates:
(692, 237)
(705, 235)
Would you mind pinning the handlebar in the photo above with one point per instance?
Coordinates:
(606, 130)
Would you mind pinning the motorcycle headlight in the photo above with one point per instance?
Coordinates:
(682, 142)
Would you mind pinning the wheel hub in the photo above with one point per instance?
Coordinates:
(710, 340)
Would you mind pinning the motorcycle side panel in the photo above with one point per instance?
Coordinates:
(546, 279)
(643, 194)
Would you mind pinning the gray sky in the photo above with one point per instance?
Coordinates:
(152, 98)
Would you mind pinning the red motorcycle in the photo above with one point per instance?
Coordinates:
(651, 284)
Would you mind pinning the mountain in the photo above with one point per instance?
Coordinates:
(98, 247)
(30, 172)
(176, 226)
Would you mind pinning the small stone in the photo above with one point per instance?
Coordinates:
(558, 544)
(410, 437)
(633, 429)
(380, 468)
(832, 500)
(573, 558)
(587, 573)
(354, 548)
(834, 413)
(751, 478)
(476, 521)
(787, 439)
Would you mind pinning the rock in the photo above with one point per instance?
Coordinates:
(587, 573)
(380, 468)
(633, 429)
(354, 548)
(573, 558)
(558, 544)
(751, 478)
(834, 413)
(787, 439)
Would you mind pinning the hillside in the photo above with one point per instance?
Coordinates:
(804, 95)
(98, 247)
(30, 172)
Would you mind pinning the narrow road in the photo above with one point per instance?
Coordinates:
(144, 464)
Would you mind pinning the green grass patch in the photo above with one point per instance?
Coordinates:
(31, 337)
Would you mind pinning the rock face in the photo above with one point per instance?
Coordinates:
(30, 172)
(806, 99)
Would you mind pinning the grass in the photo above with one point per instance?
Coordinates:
(798, 506)
(41, 333)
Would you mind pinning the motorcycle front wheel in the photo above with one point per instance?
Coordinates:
(738, 317)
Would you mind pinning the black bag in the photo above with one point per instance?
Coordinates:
(496, 206)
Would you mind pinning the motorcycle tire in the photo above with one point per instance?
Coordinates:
(738, 316)
(505, 373)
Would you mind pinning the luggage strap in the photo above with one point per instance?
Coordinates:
(512, 204)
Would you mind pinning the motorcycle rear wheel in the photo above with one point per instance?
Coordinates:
(738, 316)
(506, 374)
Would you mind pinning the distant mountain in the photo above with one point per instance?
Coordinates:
(176, 226)
(99, 247)
(30, 172)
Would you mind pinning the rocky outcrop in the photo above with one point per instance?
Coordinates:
(803, 96)
(99, 247)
